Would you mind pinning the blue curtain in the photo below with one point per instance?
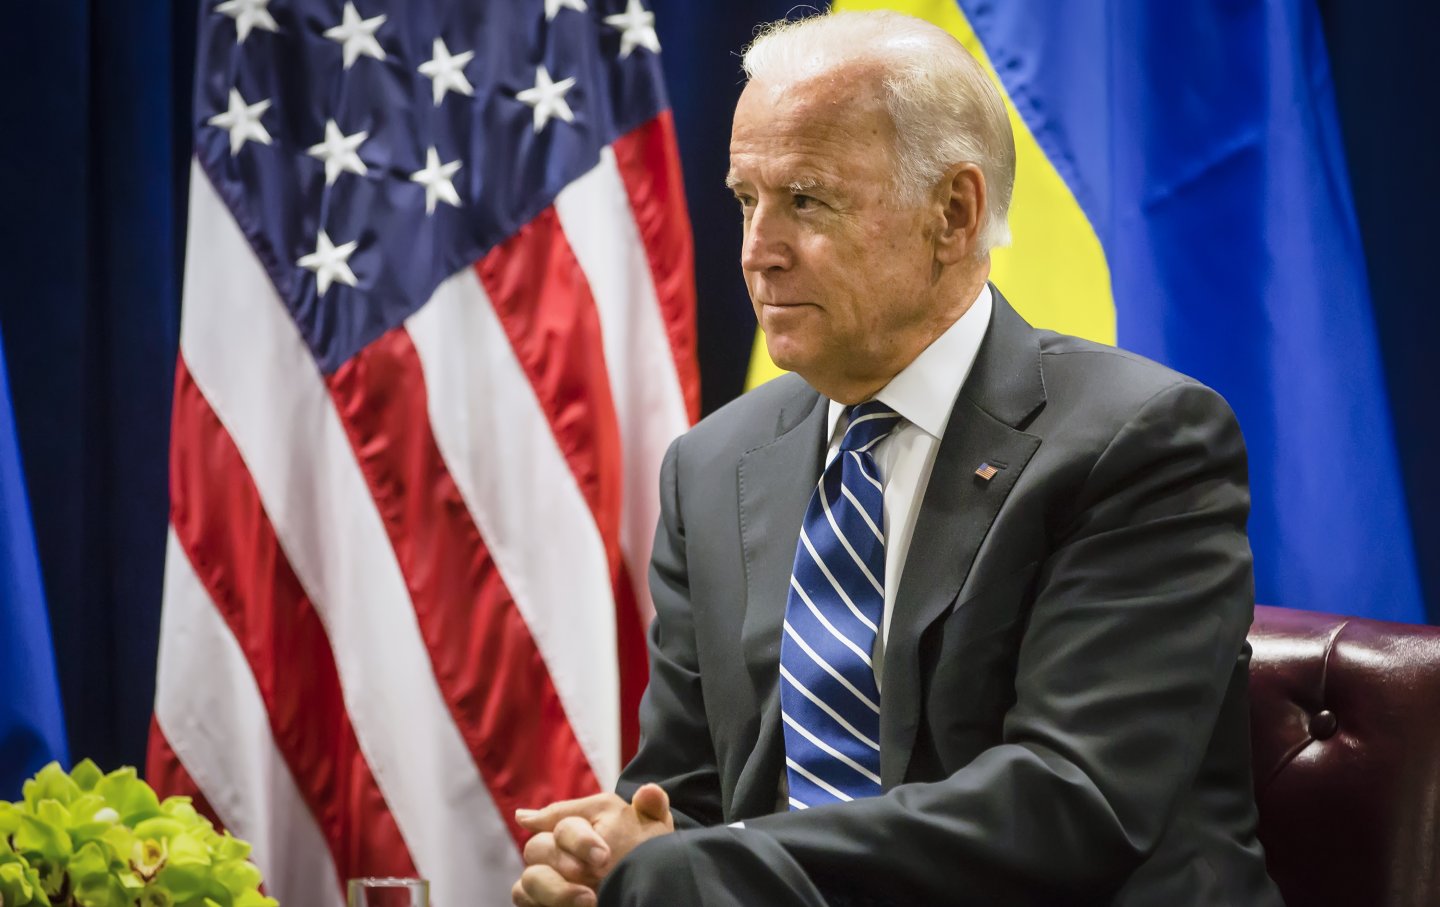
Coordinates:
(95, 106)
(97, 135)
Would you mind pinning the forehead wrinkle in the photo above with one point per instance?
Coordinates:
(806, 143)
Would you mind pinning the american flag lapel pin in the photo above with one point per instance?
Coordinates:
(987, 471)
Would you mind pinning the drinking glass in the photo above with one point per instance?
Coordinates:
(389, 893)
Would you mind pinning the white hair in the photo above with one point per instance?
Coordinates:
(945, 108)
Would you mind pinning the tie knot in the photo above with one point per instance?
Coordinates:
(869, 422)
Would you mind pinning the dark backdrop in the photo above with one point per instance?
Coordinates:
(94, 143)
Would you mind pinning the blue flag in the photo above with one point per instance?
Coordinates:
(32, 731)
(1201, 141)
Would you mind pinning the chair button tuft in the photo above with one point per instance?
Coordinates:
(1323, 724)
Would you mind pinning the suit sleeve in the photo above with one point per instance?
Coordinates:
(1138, 620)
(675, 749)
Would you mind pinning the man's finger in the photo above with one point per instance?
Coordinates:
(519, 898)
(545, 819)
(578, 838)
(547, 888)
(651, 802)
(542, 850)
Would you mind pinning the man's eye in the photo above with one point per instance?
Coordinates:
(803, 202)
(745, 201)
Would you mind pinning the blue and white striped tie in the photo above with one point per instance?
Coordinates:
(829, 699)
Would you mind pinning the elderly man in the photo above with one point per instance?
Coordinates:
(956, 614)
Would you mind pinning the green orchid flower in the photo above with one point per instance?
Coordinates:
(91, 839)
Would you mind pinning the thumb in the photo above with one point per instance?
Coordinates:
(651, 802)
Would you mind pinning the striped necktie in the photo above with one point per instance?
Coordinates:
(829, 699)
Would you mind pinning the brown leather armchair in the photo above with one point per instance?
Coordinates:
(1345, 720)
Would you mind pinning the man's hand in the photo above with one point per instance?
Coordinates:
(578, 842)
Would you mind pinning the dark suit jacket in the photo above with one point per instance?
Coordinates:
(1064, 711)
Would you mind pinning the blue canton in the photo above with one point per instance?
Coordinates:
(371, 149)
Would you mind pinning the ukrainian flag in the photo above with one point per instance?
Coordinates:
(1181, 191)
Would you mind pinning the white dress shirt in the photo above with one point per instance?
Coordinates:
(923, 393)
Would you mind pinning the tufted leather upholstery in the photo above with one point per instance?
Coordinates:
(1345, 723)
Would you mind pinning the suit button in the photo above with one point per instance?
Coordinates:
(1323, 724)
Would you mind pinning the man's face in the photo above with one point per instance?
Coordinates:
(841, 276)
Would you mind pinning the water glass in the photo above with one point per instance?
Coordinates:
(389, 893)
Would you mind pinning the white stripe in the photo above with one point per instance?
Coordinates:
(860, 508)
(221, 732)
(834, 584)
(818, 782)
(859, 652)
(846, 542)
(825, 666)
(804, 691)
(797, 804)
(871, 443)
(830, 750)
(498, 446)
(247, 358)
(861, 463)
(595, 213)
(870, 417)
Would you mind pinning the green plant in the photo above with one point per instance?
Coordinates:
(88, 839)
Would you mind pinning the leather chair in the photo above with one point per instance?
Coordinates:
(1345, 724)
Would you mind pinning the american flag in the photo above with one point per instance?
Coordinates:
(438, 330)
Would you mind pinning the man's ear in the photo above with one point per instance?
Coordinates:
(962, 199)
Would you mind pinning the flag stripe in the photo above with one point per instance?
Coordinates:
(217, 517)
(540, 530)
(649, 404)
(487, 665)
(168, 776)
(220, 732)
(285, 426)
(649, 163)
(545, 305)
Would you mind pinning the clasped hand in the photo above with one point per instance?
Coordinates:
(578, 842)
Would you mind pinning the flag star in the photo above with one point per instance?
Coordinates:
(356, 35)
(553, 7)
(548, 98)
(243, 122)
(248, 14)
(329, 262)
(447, 72)
(637, 28)
(340, 152)
(436, 180)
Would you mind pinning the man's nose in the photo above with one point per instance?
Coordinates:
(767, 243)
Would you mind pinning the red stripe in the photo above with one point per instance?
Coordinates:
(167, 775)
(649, 162)
(487, 665)
(545, 306)
(222, 525)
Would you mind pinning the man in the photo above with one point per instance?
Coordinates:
(959, 618)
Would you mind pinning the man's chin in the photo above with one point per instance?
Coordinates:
(785, 354)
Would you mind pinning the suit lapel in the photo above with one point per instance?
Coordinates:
(775, 484)
(1003, 389)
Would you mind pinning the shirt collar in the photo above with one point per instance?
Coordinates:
(924, 392)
